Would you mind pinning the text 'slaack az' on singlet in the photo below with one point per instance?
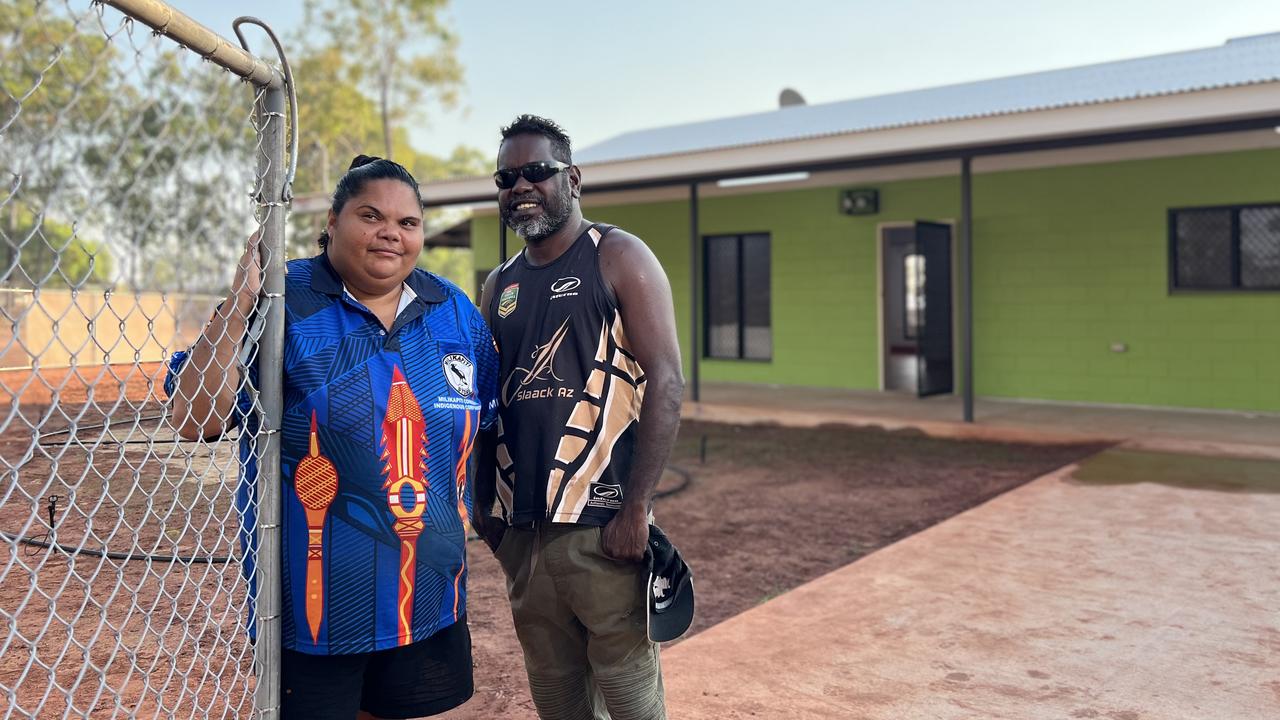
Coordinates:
(570, 389)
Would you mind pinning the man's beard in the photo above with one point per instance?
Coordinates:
(555, 213)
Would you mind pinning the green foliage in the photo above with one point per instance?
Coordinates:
(52, 81)
(337, 121)
(407, 55)
(352, 103)
(145, 151)
(136, 146)
(463, 162)
(158, 168)
(51, 72)
(452, 264)
(49, 253)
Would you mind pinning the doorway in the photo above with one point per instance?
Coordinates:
(915, 282)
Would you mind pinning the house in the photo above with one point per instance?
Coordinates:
(1101, 234)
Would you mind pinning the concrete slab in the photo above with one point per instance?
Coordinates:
(1097, 592)
(1161, 429)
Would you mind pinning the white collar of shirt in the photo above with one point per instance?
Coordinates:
(407, 296)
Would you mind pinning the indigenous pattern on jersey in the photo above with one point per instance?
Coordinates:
(378, 426)
(570, 390)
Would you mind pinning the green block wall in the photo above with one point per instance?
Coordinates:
(1067, 261)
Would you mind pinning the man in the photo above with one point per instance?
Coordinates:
(590, 386)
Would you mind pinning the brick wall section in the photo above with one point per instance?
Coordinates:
(1068, 261)
(1071, 260)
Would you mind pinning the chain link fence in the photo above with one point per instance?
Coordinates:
(132, 168)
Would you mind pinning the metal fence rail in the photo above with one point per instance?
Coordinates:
(138, 150)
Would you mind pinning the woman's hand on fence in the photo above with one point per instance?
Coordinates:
(248, 278)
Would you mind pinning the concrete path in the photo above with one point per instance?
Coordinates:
(1162, 429)
(1098, 592)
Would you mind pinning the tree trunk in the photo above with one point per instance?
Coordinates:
(385, 83)
(384, 75)
(10, 251)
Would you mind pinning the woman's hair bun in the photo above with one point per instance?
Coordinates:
(362, 160)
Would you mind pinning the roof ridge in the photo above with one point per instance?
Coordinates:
(1240, 61)
(1264, 37)
(1260, 37)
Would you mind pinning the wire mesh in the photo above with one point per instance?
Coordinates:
(1260, 247)
(1203, 248)
(130, 169)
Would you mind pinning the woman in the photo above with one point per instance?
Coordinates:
(389, 372)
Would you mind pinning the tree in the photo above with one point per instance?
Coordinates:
(51, 75)
(457, 264)
(453, 264)
(50, 254)
(164, 172)
(350, 104)
(398, 78)
(145, 155)
(52, 86)
(336, 120)
(462, 162)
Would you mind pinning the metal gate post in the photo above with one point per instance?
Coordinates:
(271, 208)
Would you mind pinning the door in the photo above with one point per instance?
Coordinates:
(932, 308)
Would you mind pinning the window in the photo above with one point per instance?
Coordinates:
(737, 302)
(1225, 248)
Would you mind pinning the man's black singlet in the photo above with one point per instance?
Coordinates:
(570, 389)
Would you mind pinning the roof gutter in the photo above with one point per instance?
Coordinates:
(1265, 115)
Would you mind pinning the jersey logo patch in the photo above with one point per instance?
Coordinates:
(604, 495)
(507, 302)
(565, 284)
(460, 373)
(565, 287)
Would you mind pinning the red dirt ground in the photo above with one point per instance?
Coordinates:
(72, 386)
(770, 509)
(93, 637)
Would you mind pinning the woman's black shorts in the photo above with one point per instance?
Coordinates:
(425, 678)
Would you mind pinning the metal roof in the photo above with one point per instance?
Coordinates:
(1240, 61)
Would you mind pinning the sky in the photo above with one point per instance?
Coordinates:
(603, 68)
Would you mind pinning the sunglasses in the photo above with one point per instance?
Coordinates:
(534, 172)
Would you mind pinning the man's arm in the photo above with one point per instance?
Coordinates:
(484, 479)
(648, 317)
(205, 388)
